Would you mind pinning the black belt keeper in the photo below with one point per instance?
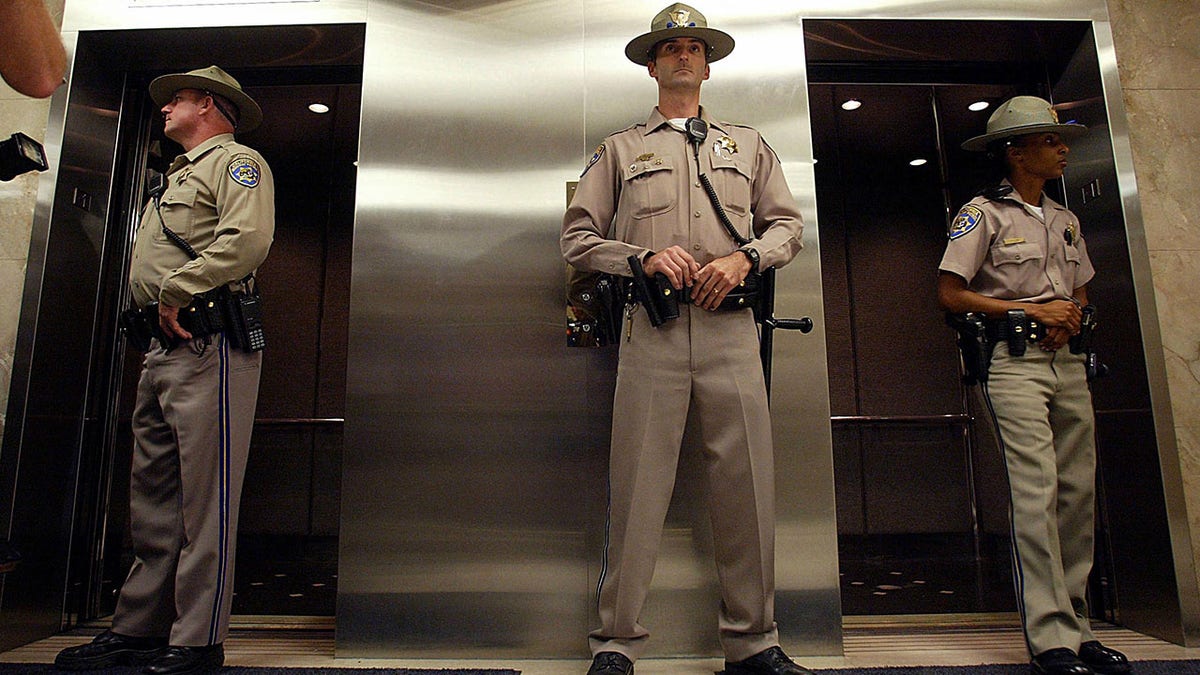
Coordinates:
(1016, 329)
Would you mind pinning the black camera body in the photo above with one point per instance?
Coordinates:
(20, 154)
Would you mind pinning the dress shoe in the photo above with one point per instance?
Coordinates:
(1060, 661)
(183, 660)
(611, 663)
(770, 661)
(1103, 660)
(110, 649)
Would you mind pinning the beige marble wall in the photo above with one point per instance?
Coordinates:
(17, 200)
(1158, 56)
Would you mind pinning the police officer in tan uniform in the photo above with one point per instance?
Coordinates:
(197, 394)
(1014, 249)
(641, 195)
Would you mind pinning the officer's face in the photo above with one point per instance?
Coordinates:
(180, 114)
(1043, 155)
(679, 63)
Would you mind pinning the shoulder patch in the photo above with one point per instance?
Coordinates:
(595, 158)
(965, 221)
(244, 170)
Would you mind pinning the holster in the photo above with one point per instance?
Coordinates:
(974, 345)
(1081, 343)
(595, 301)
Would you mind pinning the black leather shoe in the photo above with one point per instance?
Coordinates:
(1103, 660)
(770, 661)
(611, 663)
(110, 649)
(183, 660)
(1060, 661)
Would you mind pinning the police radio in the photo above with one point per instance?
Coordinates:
(246, 328)
(696, 130)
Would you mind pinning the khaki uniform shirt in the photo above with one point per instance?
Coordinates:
(1004, 251)
(220, 199)
(640, 194)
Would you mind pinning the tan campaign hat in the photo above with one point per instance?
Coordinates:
(214, 80)
(1023, 115)
(679, 20)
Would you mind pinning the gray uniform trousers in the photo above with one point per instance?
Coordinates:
(708, 361)
(1043, 410)
(191, 427)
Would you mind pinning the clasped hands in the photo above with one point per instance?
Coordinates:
(1061, 318)
(710, 283)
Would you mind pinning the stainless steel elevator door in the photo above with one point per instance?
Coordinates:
(476, 441)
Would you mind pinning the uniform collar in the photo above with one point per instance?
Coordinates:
(1047, 203)
(200, 150)
(657, 120)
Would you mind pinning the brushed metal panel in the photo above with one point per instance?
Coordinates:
(476, 442)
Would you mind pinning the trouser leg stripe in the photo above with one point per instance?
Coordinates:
(223, 479)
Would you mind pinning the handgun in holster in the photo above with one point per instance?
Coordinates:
(974, 345)
(656, 294)
(1081, 343)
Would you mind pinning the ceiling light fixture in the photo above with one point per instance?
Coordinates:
(852, 104)
(978, 105)
(319, 108)
(918, 162)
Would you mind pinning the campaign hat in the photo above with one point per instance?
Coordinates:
(679, 20)
(1021, 116)
(214, 80)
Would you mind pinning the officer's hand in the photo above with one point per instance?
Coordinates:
(679, 266)
(1055, 339)
(1060, 313)
(717, 278)
(168, 320)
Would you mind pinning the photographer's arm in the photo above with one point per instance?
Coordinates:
(33, 60)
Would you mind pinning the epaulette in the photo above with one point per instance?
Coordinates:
(995, 192)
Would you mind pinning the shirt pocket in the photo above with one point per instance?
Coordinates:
(732, 182)
(1016, 254)
(651, 183)
(177, 209)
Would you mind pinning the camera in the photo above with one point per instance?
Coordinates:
(20, 154)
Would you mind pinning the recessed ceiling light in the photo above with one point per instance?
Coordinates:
(978, 105)
(319, 108)
(852, 104)
(918, 162)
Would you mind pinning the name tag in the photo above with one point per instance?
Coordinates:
(1014, 240)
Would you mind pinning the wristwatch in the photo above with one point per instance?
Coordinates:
(753, 256)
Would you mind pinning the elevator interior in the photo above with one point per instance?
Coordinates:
(468, 494)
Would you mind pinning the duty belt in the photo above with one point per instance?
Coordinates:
(1002, 329)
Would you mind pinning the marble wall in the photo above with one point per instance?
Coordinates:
(1158, 56)
(17, 200)
(1158, 53)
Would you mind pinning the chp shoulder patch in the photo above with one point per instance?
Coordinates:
(244, 170)
(595, 158)
(965, 221)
